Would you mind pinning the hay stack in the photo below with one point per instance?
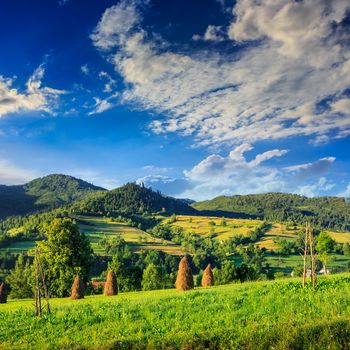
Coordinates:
(208, 277)
(184, 279)
(3, 293)
(111, 286)
(77, 288)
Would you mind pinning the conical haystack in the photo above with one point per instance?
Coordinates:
(111, 286)
(208, 277)
(3, 293)
(184, 279)
(77, 288)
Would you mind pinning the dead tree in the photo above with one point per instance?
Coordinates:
(313, 257)
(38, 308)
(40, 279)
(306, 243)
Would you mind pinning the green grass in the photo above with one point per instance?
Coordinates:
(286, 263)
(96, 228)
(259, 315)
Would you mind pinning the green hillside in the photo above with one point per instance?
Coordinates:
(46, 192)
(134, 199)
(324, 212)
(257, 315)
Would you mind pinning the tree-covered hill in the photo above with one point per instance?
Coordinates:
(134, 199)
(43, 193)
(325, 212)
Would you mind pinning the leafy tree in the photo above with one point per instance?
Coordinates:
(346, 249)
(325, 244)
(21, 279)
(227, 273)
(65, 253)
(152, 278)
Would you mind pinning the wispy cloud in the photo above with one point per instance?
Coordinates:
(271, 89)
(34, 98)
(212, 33)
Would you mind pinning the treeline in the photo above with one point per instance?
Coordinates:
(323, 212)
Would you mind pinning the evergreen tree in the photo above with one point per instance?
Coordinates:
(21, 279)
(152, 278)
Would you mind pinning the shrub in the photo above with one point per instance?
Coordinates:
(111, 286)
(279, 274)
(184, 279)
(208, 277)
(77, 291)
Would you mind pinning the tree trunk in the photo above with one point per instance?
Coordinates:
(305, 255)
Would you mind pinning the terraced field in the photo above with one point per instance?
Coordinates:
(222, 229)
(97, 228)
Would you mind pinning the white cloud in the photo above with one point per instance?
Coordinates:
(110, 81)
(346, 192)
(267, 91)
(234, 174)
(165, 184)
(212, 33)
(115, 24)
(85, 69)
(312, 190)
(156, 169)
(101, 105)
(318, 167)
(11, 174)
(34, 98)
(302, 29)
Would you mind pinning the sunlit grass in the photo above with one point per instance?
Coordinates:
(256, 315)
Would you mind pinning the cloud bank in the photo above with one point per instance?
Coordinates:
(288, 79)
(239, 173)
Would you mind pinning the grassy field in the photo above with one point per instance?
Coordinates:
(286, 263)
(96, 228)
(258, 315)
(205, 225)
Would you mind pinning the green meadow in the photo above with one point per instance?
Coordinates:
(255, 315)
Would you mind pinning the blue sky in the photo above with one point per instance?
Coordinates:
(196, 99)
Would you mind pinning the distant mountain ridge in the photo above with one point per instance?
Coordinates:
(47, 192)
(326, 212)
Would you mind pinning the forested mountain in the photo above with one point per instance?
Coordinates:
(325, 212)
(134, 199)
(43, 193)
